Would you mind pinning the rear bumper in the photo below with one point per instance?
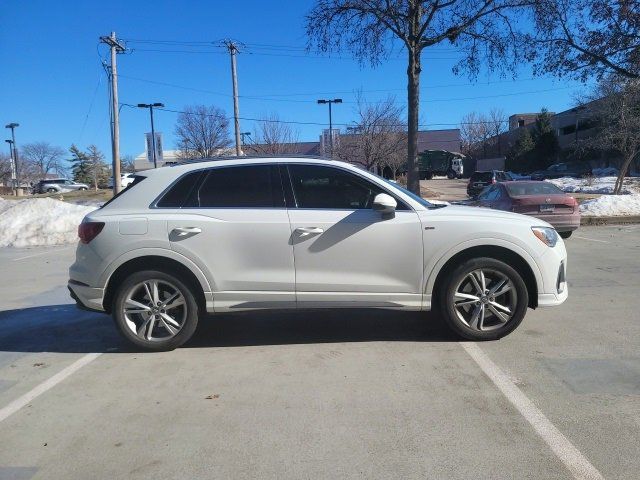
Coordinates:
(562, 223)
(87, 298)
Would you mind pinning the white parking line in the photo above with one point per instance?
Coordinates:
(20, 402)
(41, 253)
(590, 239)
(569, 455)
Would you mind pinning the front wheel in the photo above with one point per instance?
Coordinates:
(565, 234)
(51, 190)
(155, 311)
(483, 299)
(451, 174)
(82, 189)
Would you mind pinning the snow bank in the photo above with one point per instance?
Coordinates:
(596, 185)
(39, 221)
(611, 205)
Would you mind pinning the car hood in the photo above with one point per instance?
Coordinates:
(459, 211)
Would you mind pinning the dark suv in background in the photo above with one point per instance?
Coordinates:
(559, 170)
(479, 180)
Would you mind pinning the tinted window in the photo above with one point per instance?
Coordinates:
(537, 188)
(252, 186)
(481, 177)
(331, 188)
(179, 192)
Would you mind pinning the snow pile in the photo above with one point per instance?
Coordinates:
(39, 221)
(595, 185)
(611, 205)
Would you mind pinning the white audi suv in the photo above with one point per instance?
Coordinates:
(275, 233)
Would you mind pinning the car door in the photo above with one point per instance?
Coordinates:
(235, 227)
(347, 254)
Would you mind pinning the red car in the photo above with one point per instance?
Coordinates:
(539, 199)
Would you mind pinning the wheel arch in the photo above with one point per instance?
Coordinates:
(519, 260)
(190, 275)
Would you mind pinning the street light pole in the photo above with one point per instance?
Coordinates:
(153, 132)
(323, 101)
(13, 166)
(12, 126)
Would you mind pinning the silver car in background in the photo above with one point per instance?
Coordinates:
(58, 185)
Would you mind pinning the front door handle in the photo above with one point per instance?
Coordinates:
(304, 231)
(184, 231)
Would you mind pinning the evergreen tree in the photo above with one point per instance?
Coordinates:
(80, 165)
(520, 156)
(546, 142)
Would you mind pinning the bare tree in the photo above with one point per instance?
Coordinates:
(5, 168)
(43, 158)
(202, 132)
(474, 133)
(380, 136)
(497, 125)
(481, 28)
(583, 38)
(96, 166)
(616, 112)
(273, 137)
(127, 164)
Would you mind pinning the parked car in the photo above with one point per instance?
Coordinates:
(58, 185)
(559, 170)
(539, 199)
(479, 180)
(125, 180)
(246, 234)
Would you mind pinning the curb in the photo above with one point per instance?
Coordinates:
(617, 220)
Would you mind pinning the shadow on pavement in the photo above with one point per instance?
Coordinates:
(64, 328)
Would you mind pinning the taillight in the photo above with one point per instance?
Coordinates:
(87, 231)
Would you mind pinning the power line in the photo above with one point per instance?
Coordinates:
(293, 122)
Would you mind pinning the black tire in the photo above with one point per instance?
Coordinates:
(190, 305)
(428, 175)
(565, 234)
(51, 190)
(451, 174)
(82, 189)
(449, 284)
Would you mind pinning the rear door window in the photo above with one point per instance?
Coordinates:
(250, 186)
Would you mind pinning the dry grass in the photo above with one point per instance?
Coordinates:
(72, 197)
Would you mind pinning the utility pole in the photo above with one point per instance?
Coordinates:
(335, 100)
(153, 131)
(13, 126)
(116, 47)
(13, 167)
(233, 50)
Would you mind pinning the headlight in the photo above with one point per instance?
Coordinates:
(547, 235)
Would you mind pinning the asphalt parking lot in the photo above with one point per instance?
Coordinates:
(358, 394)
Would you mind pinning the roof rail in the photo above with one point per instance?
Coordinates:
(246, 157)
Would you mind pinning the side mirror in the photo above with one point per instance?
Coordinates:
(384, 203)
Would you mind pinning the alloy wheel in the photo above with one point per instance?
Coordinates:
(485, 299)
(154, 310)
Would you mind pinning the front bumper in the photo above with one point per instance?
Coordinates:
(555, 288)
(87, 298)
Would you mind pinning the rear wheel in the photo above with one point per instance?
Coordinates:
(82, 188)
(483, 299)
(155, 311)
(51, 190)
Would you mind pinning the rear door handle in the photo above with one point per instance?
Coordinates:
(304, 231)
(184, 231)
